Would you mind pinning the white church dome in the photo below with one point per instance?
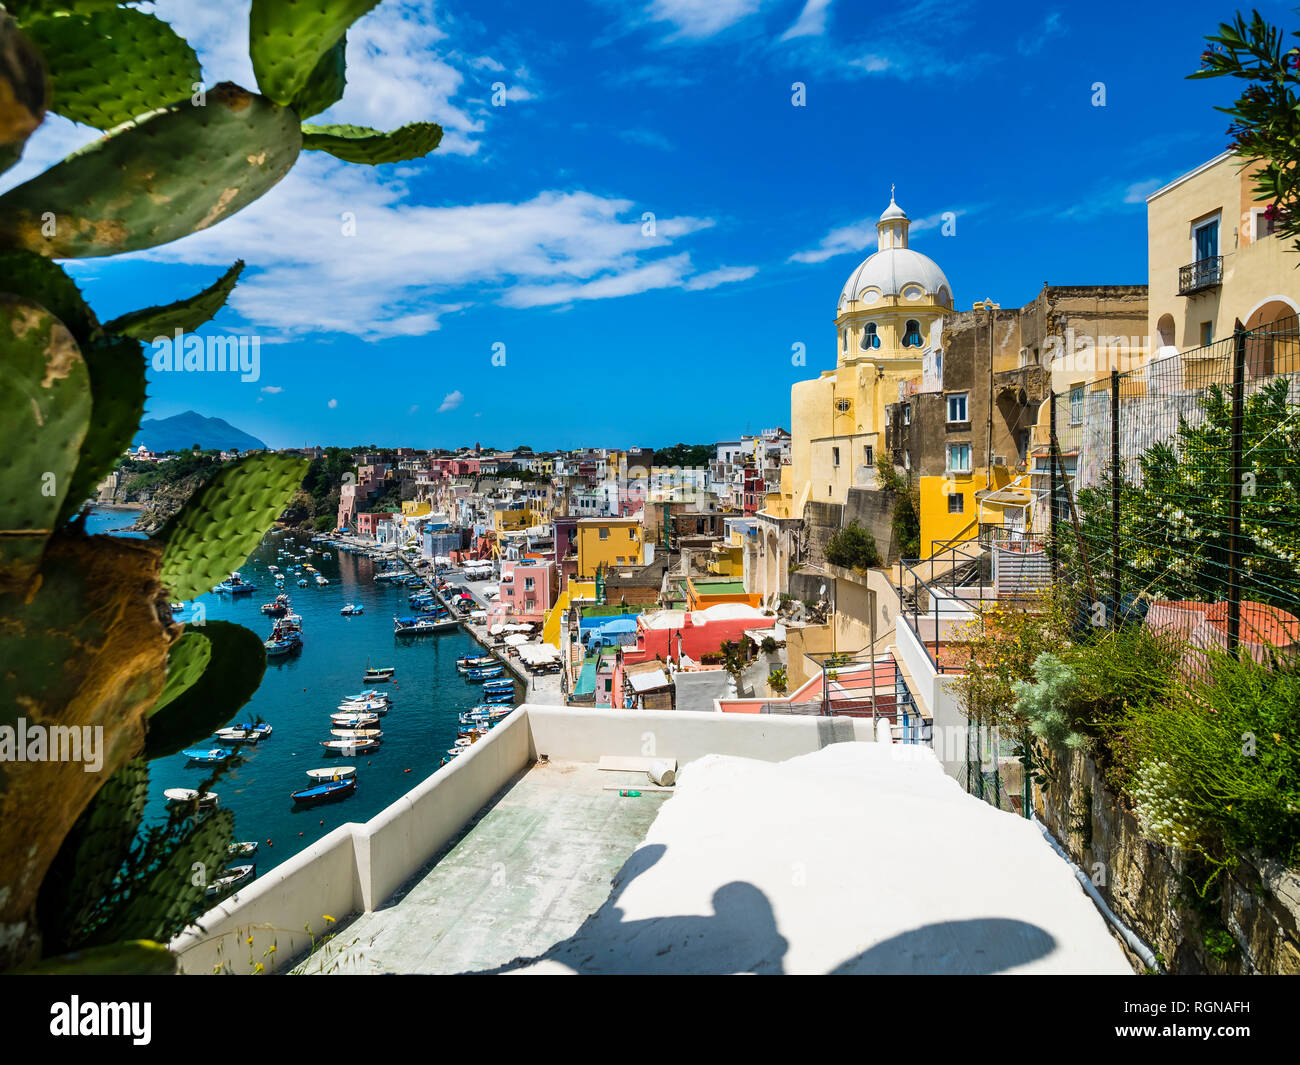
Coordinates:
(895, 269)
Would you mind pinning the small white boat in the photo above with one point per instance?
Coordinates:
(352, 608)
(342, 772)
(206, 800)
(355, 746)
(354, 720)
(238, 850)
(363, 706)
(233, 877)
(357, 733)
(238, 735)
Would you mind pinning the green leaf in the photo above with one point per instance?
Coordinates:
(139, 957)
(326, 83)
(287, 39)
(107, 67)
(235, 666)
(187, 660)
(117, 386)
(187, 314)
(223, 521)
(359, 144)
(24, 91)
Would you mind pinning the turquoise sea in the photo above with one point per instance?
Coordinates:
(298, 694)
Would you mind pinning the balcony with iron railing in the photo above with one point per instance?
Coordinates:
(1200, 275)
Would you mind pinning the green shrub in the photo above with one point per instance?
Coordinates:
(853, 547)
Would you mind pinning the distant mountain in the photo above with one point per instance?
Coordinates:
(182, 431)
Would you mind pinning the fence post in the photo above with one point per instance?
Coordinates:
(1239, 335)
(1051, 497)
(1114, 499)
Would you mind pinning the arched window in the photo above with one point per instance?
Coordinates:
(869, 337)
(912, 334)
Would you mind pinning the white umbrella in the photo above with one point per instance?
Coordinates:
(496, 630)
(516, 638)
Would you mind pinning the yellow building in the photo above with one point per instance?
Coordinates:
(1213, 259)
(888, 321)
(515, 519)
(606, 542)
(412, 508)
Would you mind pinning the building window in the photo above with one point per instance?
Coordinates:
(1206, 236)
(835, 456)
(1207, 333)
(604, 534)
(956, 503)
(959, 458)
(1261, 224)
(957, 407)
(868, 455)
(869, 337)
(1076, 405)
(907, 414)
(528, 584)
(631, 533)
(912, 334)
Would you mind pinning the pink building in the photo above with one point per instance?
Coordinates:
(368, 523)
(529, 588)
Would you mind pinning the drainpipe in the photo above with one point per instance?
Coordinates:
(1127, 934)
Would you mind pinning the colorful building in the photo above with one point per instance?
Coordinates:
(607, 542)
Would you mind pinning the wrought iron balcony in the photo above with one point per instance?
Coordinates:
(1200, 275)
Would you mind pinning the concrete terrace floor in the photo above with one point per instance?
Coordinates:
(522, 877)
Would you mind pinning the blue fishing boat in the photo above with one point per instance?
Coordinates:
(468, 662)
(327, 792)
(236, 585)
(484, 672)
(499, 697)
(207, 755)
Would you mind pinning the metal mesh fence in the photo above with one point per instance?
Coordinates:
(1175, 492)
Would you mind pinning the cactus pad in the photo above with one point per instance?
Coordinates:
(156, 178)
(165, 899)
(359, 144)
(44, 409)
(223, 521)
(109, 66)
(24, 91)
(91, 857)
(36, 278)
(286, 40)
(187, 658)
(234, 670)
(117, 387)
(325, 85)
(187, 314)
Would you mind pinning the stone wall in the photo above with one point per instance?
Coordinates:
(1148, 887)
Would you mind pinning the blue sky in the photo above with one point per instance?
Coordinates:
(525, 229)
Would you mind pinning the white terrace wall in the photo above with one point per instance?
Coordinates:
(357, 867)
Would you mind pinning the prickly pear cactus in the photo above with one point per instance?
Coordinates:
(324, 86)
(224, 520)
(38, 279)
(236, 664)
(360, 144)
(187, 314)
(172, 892)
(286, 40)
(117, 387)
(156, 178)
(106, 67)
(45, 409)
(91, 857)
(24, 91)
(186, 660)
(85, 647)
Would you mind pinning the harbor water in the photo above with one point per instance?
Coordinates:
(299, 692)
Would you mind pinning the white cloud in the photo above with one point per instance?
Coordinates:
(723, 276)
(861, 235)
(701, 19)
(414, 408)
(811, 21)
(1140, 190)
(407, 264)
(332, 404)
(1050, 28)
(274, 390)
(450, 401)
